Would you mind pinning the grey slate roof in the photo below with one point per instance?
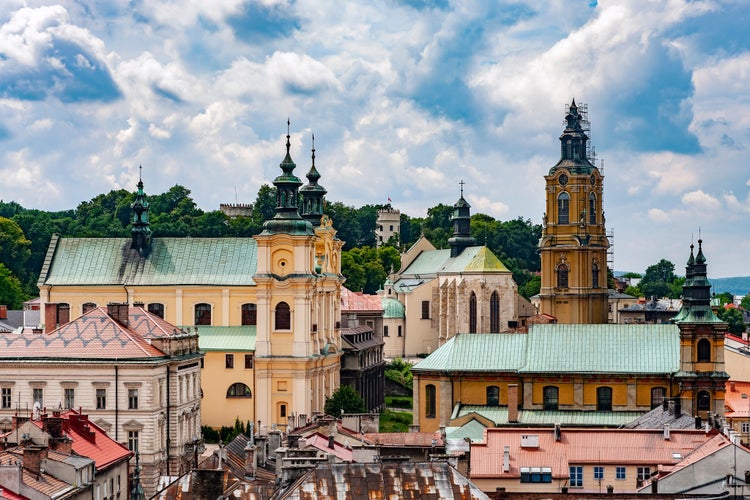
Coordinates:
(554, 348)
(171, 261)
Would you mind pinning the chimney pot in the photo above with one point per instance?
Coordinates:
(512, 403)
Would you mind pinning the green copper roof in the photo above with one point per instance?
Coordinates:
(472, 259)
(603, 349)
(562, 349)
(392, 308)
(477, 352)
(499, 415)
(226, 338)
(171, 261)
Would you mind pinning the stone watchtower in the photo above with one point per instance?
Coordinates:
(574, 243)
(388, 225)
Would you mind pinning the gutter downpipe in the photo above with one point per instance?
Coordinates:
(117, 403)
(168, 441)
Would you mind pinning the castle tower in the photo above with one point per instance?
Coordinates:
(298, 338)
(388, 225)
(574, 243)
(312, 194)
(141, 231)
(701, 378)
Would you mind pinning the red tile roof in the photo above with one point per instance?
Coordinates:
(320, 442)
(43, 483)
(90, 440)
(737, 399)
(6, 494)
(358, 301)
(580, 446)
(95, 335)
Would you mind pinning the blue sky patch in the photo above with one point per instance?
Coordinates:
(257, 23)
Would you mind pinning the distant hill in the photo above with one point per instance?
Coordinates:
(735, 286)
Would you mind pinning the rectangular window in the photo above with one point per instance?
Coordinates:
(425, 309)
(132, 399)
(644, 473)
(248, 361)
(70, 397)
(598, 472)
(620, 472)
(38, 396)
(101, 399)
(385, 331)
(156, 309)
(744, 426)
(133, 440)
(536, 475)
(399, 330)
(576, 476)
(282, 411)
(229, 361)
(7, 397)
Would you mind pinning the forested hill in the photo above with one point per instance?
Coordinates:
(25, 234)
(735, 286)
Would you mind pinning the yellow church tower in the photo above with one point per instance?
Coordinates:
(298, 343)
(574, 243)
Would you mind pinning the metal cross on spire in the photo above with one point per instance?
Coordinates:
(461, 182)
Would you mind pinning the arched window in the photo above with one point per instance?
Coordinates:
(563, 208)
(493, 395)
(550, 395)
(283, 316)
(562, 276)
(203, 314)
(592, 208)
(249, 314)
(88, 306)
(704, 401)
(604, 399)
(239, 390)
(156, 309)
(429, 401)
(494, 313)
(473, 313)
(704, 351)
(595, 276)
(657, 396)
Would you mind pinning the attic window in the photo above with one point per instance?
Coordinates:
(536, 474)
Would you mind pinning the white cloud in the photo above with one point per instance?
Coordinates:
(700, 201)
(659, 216)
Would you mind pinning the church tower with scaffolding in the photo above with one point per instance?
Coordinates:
(574, 242)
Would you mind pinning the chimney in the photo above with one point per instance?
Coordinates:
(698, 422)
(331, 441)
(512, 403)
(33, 459)
(251, 463)
(732, 385)
(506, 459)
(677, 407)
(3, 312)
(50, 317)
(666, 432)
(558, 432)
(119, 312)
(53, 425)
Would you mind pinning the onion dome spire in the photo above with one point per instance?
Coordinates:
(141, 232)
(573, 142)
(313, 194)
(287, 218)
(696, 292)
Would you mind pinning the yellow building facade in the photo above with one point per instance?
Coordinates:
(275, 296)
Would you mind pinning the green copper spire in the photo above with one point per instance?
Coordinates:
(312, 194)
(461, 225)
(141, 231)
(696, 292)
(573, 143)
(287, 218)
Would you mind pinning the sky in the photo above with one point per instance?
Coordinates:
(405, 98)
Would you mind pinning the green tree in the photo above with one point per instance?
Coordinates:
(15, 248)
(11, 293)
(745, 303)
(657, 281)
(634, 291)
(345, 399)
(724, 298)
(533, 286)
(733, 317)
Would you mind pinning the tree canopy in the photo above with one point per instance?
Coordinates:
(345, 399)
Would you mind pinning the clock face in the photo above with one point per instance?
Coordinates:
(563, 179)
(592, 179)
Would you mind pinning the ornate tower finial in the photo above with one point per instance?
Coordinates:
(312, 193)
(313, 149)
(461, 183)
(288, 144)
(461, 218)
(141, 231)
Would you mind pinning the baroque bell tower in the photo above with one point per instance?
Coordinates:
(574, 243)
